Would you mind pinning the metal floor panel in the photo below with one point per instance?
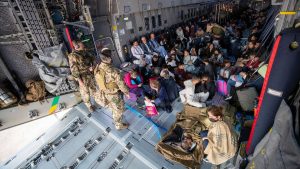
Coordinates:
(20, 114)
(126, 149)
(133, 163)
(76, 145)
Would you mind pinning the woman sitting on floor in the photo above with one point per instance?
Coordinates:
(205, 89)
(134, 81)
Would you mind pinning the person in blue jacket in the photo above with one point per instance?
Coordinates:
(159, 96)
(169, 84)
(235, 81)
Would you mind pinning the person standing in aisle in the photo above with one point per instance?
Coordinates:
(81, 65)
(111, 86)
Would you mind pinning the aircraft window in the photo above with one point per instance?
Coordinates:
(153, 21)
(159, 20)
(165, 22)
(147, 24)
(127, 9)
(132, 31)
(140, 28)
(189, 12)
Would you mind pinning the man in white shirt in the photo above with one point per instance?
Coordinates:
(139, 54)
(188, 96)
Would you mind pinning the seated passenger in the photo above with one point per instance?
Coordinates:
(134, 81)
(139, 54)
(217, 58)
(253, 62)
(219, 141)
(208, 69)
(250, 48)
(172, 62)
(189, 61)
(170, 85)
(159, 96)
(205, 89)
(181, 75)
(208, 51)
(193, 52)
(157, 61)
(225, 70)
(235, 81)
(146, 47)
(165, 67)
(187, 95)
(157, 47)
(180, 33)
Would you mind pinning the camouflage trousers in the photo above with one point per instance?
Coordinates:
(117, 105)
(87, 90)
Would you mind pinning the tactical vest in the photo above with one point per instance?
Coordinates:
(101, 81)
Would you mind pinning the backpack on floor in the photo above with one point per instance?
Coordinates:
(36, 90)
(222, 87)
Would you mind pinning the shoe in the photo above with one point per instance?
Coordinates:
(92, 108)
(169, 110)
(122, 126)
(228, 98)
(205, 160)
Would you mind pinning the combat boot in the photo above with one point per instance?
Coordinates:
(122, 126)
(92, 108)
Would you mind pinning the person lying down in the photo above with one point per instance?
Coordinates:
(179, 139)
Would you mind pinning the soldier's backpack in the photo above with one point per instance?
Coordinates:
(101, 81)
(36, 90)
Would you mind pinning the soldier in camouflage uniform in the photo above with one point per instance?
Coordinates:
(81, 65)
(110, 84)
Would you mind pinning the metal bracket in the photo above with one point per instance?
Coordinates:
(62, 106)
(33, 114)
